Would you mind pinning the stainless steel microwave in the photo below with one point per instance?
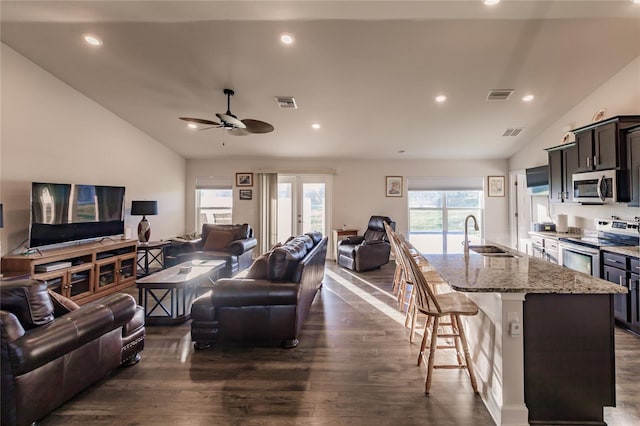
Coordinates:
(605, 186)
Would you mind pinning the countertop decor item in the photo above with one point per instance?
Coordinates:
(144, 208)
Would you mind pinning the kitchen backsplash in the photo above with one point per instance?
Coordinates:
(582, 216)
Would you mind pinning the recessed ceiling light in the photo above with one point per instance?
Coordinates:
(192, 125)
(92, 40)
(527, 98)
(441, 98)
(402, 151)
(490, 2)
(287, 38)
(315, 126)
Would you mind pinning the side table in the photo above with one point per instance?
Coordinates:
(339, 235)
(150, 252)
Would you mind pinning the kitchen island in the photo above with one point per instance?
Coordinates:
(543, 342)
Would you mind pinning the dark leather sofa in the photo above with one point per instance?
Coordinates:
(233, 243)
(52, 349)
(369, 251)
(268, 304)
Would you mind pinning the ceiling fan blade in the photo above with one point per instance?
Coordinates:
(200, 121)
(257, 126)
(238, 132)
(230, 119)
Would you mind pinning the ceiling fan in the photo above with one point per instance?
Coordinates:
(229, 121)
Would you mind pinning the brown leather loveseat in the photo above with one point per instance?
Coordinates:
(231, 243)
(268, 304)
(52, 349)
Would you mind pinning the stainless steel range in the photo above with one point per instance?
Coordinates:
(583, 253)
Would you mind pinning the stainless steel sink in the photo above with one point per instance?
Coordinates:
(491, 251)
(486, 249)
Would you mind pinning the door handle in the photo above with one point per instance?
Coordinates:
(601, 183)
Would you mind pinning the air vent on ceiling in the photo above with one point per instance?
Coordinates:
(513, 132)
(286, 102)
(499, 94)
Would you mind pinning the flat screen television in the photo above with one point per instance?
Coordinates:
(62, 212)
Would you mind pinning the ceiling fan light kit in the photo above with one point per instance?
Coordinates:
(230, 122)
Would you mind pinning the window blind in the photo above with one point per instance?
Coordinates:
(445, 183)
(212, 182)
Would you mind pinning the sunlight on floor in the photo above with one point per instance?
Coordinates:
(389, 311)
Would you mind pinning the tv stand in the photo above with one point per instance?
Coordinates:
(92, 269)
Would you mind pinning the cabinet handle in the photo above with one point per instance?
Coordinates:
(595, 160)
(620, 280)
(588, 161)
(559, 195)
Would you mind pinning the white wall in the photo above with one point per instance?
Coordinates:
(358, 187)
(53, 133)
(620, 95)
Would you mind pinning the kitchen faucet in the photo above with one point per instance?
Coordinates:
(466, 231)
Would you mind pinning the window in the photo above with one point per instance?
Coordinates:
(436, 219)
(214, 201)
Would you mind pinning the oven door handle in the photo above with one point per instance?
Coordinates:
(580, 250)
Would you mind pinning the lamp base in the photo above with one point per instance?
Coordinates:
(144, 230)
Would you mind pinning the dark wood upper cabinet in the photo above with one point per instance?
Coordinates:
(584, 150)
(563, 163)
(633, 163)
(603, 145)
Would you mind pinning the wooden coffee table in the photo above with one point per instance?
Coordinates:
(167, 295)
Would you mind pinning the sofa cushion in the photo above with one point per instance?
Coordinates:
(315, 236)
(61, 304)
(29, 301)
(218, 239)
(284, 260)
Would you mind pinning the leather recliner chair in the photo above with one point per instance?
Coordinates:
(369, 251)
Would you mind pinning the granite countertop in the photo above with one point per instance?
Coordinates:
(522, 274)
(626, 250)
(555, 235)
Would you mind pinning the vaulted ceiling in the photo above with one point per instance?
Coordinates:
(367, 72)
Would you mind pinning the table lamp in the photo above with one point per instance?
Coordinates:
(144, 208)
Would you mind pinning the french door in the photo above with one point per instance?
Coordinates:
(303, 205)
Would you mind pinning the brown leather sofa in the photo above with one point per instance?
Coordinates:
(268, 304)
(233, 243)
(368, 251)
(52, 349)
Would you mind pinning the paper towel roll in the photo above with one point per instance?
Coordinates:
(562, 223)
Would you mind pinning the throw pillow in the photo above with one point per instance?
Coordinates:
(61, 304)
(259, 269)
(217, 240)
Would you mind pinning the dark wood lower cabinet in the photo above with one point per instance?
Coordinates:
(569, 362)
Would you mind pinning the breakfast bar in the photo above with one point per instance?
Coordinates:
(543, 342)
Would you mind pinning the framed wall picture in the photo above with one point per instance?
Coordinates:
(496, 186)
(245, 194)
(244, 179)
(393, 187)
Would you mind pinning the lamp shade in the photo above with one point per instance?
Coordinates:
(1, 220)
(144, 208)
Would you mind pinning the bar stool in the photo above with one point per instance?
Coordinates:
(436, 307)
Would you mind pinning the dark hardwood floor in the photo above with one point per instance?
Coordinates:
(354, 366)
